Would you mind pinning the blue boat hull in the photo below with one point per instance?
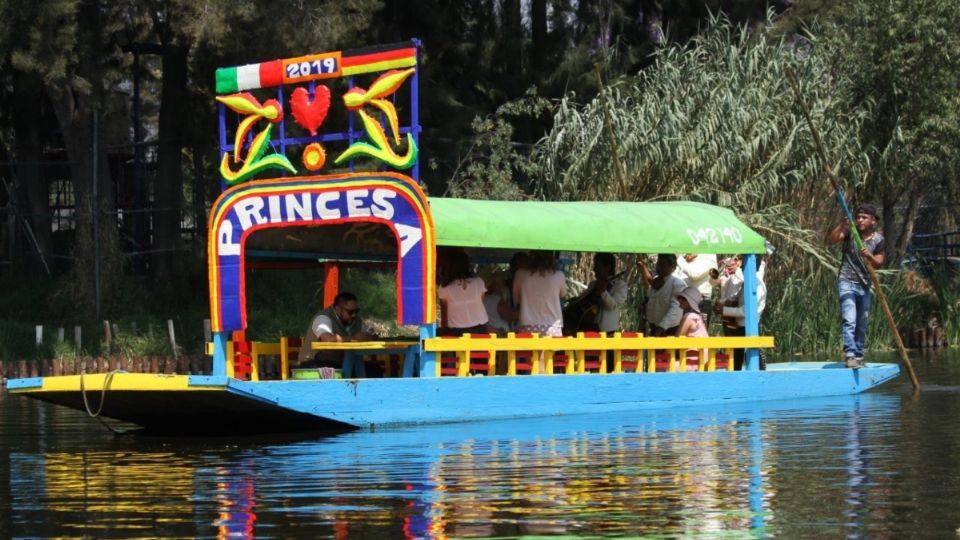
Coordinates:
(388, 402)
(231, 405)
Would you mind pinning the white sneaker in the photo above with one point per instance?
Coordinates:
(855, 362)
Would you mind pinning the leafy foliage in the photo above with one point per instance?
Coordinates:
(714, 122)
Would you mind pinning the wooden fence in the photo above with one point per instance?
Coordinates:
(198, 364)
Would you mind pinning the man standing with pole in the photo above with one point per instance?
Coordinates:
(853, 231)
(853, 282)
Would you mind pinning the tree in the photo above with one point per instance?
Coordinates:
(903, 58)
(712, 121)
(65, 44)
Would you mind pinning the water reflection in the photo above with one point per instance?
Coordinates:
(738, 470)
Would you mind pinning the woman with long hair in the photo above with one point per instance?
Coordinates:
(461, 297)
(538, 290)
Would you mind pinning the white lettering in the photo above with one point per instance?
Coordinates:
(298, 209)
(356, 206)
(381, 206)
(225, 245)
(711, 235)
(248, 212)
(322, 210)
(409, 237)
(273, 209)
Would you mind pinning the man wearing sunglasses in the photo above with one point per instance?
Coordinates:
(339, 322)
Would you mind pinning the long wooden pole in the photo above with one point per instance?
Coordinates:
(853, 230)
(608, 127)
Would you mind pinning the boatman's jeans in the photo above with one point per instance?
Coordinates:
(855, 299)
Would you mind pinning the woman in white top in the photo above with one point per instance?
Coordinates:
(538, 291)
(461, 298)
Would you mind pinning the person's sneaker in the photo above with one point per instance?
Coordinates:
(855, 362)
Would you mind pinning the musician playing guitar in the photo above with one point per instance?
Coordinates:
(598, 308)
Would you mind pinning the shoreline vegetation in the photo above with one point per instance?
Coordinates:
(801, 312)
(608, 101)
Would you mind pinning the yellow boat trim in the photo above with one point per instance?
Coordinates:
(94, 382)
(512, 343)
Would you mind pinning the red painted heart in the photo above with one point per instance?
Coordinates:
(310, 113)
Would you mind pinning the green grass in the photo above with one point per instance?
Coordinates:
(803, 311)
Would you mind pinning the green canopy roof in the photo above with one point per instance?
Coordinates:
(614, 227)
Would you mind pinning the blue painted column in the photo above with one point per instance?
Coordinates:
(428, 360)
(751, 359)
(220, 340)
(222, 120)
(415, 109)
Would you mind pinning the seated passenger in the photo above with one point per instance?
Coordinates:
(598, 308)
(339, 322)
(492, 301)
(461, 298)
(663, 312)
(734, 311)
(508, 309)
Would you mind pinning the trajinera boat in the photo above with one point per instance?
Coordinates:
(271, 209)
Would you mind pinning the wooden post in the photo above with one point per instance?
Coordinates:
(107, 336)
(331, 282)
(206, 332)
(173, 337)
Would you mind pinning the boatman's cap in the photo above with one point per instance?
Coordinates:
(869, 209)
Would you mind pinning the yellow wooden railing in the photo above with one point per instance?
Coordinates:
(542, 351)
(283, 349)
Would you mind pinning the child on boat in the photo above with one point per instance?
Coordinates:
(692, 325)
(691, 322)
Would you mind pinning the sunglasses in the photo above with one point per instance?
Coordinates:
(350, 312)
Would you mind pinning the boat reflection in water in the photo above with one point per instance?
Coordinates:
(756, 468)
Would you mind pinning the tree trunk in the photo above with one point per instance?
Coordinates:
(168, 185)
(32, 187)
(511, 38)
(199, 192)
(75, 110)
(896, 251)
(538, 35)
(92, 256)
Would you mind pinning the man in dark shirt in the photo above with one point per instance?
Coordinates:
(339, 322)
(853, 282)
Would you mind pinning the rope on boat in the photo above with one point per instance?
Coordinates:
(103, 395)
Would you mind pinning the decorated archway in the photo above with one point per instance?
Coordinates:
(387, 198)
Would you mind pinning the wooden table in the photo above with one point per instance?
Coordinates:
(353, 350)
